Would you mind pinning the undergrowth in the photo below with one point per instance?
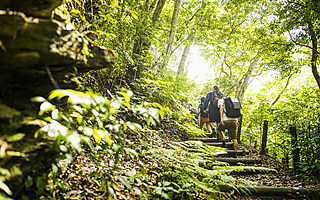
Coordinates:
(116, 149)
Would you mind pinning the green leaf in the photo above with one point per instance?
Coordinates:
(15, 137)
(109, 141)
(3, 196)
(137, 190)
(40, 185)
(46, 106)
(38, 99)
(5, 188)
(134, 15)
(58, 94)
(54, 169)
(96, 136)
(110, 191)
(131, 151)
(28, 182)
(24, 197)
(124, 181)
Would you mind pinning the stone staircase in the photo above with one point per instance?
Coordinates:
(257, 192)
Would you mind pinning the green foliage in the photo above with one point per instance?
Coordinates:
(88, 118)
(298, 107)
(88, 126)
(11, 147)
(89, 115)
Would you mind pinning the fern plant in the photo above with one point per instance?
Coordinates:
(87, 118)
(194, 165)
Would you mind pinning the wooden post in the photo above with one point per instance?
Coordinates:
(264, 137)
(295, 150)
(239, 129)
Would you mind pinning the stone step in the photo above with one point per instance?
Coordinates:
(267, 192)
(230, 153)
(238, 160)
(207, 139)
(217, 144)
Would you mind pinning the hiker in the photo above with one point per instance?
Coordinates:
(229, 124)
(210, 105)
(217, 89)
(204, 116)
(194, 113)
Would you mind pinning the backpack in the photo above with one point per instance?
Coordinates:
(194, 112)
(214, 115)
(233, 107)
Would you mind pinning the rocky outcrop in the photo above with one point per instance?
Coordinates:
(34, 8)
(36, 54)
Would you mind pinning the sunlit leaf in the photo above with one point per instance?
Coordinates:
(54, 114)
(76, 11)
(15, 137)
(124, 181)
(75, 140)
(79, 118)
(109, 141)
(5, 188)
(38, 99)
(96, 136)
(116, 105)
(126, 96)
(54, 168)
(57, 94)
(137, 190)
(88, 131)
(63, 148)
(46, 106)
(111, 192)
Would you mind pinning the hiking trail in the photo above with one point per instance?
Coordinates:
(284, 184)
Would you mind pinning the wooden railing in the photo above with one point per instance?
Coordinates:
(294, 139)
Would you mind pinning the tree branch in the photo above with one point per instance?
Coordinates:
(282, 91)
(296, 43)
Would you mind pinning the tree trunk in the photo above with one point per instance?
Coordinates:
(190, 42)
(142, 44)
(173, 29)
(157, 12)
(185, 54)
(244, 82)
(315, 55)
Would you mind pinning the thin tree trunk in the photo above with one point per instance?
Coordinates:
(282, 91)
(173, 29)
(188, 45)
(244, 82)
(185, 54)
(158, 10)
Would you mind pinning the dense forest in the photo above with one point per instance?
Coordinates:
(96, 94)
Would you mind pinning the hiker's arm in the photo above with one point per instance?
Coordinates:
(199, 112)
(206, 102)
(238, 121)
